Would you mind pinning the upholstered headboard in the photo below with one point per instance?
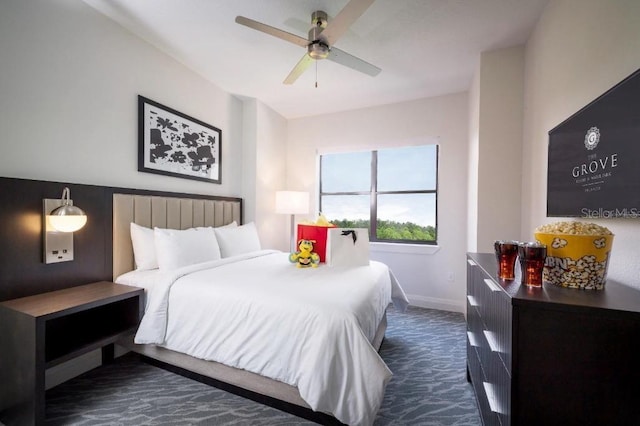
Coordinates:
(163, 212)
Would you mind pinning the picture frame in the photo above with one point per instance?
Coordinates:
(174, 144)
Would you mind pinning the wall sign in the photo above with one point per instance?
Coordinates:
(594, 157)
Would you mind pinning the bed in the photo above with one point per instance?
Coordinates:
(333, 319)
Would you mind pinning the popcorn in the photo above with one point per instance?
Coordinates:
(585, 273)
(573, 228)
(577, 254)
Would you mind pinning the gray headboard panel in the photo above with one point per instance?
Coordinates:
(163, 212)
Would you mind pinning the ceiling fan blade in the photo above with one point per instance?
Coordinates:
(343, 58)
(292, 38)
(343, 20)
(297, 71)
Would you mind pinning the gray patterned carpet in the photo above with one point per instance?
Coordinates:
(425, 350)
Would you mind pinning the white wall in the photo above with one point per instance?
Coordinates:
(432, 280)
(495, 148)
(249, 158)
(500, 135)
(264, 143)
(472, 162)
(69, 82)
(579, 50)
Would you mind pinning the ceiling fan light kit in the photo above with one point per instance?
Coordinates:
(318, 50)
(322, 35)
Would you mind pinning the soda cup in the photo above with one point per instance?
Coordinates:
(506, 253)
(532, 257)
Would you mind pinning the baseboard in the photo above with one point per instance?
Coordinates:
(435, 303)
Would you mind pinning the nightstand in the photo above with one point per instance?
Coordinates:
(41, 331)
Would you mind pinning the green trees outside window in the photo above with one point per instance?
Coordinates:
(393, 192)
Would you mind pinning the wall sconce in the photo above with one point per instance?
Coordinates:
(61, 219)
(292, 203)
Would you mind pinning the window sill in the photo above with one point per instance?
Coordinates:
(403, 248)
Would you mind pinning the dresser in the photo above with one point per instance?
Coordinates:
(550, 355)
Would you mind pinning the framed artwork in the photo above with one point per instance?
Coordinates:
(173, 144)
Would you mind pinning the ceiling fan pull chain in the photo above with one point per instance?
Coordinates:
(316, 74)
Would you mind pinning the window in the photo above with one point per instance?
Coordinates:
(393, 192)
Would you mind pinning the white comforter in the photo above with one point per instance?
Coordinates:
(310, 328)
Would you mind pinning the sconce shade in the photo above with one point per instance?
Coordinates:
(292, 202)
(61, 219)
(67, 218)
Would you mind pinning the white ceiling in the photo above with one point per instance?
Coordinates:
(425, 47)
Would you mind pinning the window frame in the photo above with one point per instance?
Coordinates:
(373, 196)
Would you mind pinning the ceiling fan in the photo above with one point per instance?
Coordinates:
(322, 36)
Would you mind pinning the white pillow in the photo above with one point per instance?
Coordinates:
(228, 225)
(178, 248)
(233, 224)
(144, 247)
(238, 240)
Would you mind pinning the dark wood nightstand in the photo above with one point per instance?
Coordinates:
(41, 331)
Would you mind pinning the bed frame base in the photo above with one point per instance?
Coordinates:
(244, 383)
(297, 410)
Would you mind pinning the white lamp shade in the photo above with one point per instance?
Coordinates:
(67, 223)
(292, 202)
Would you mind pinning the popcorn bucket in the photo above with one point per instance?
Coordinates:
(576, 261)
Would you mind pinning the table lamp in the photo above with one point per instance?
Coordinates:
(292, 203)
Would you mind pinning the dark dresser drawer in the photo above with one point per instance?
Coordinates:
(551, 355)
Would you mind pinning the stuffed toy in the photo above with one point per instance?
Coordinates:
(305, 257)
